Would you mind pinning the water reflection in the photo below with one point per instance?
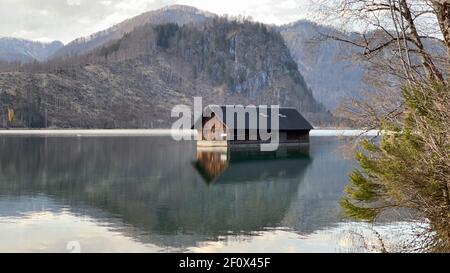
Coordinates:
(246, 165)
(161, 193)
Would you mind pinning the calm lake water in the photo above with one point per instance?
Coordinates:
(152, 194)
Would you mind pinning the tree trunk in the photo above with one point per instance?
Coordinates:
(442, 9)
(431, 71)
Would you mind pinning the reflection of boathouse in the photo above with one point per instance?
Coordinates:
(244, 165)
(225, 126)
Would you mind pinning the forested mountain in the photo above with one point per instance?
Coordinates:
(177, 14)
(331, 77)
(20, 50)
(133, 82)
(326, 64)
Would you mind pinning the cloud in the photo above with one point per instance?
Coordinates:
(69, 19)
(106, 3)
(73, 2)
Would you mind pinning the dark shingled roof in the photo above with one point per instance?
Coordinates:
(289, 118)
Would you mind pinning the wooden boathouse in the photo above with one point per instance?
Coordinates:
(224, 126)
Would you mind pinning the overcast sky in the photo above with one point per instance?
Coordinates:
(65, 20)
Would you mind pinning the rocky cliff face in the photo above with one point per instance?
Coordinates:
(244, 59)
(326, 64)
(134, 82)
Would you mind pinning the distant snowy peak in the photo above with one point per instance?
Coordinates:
(16, 49)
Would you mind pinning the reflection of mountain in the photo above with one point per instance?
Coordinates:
(316, 206)
(148, 186)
